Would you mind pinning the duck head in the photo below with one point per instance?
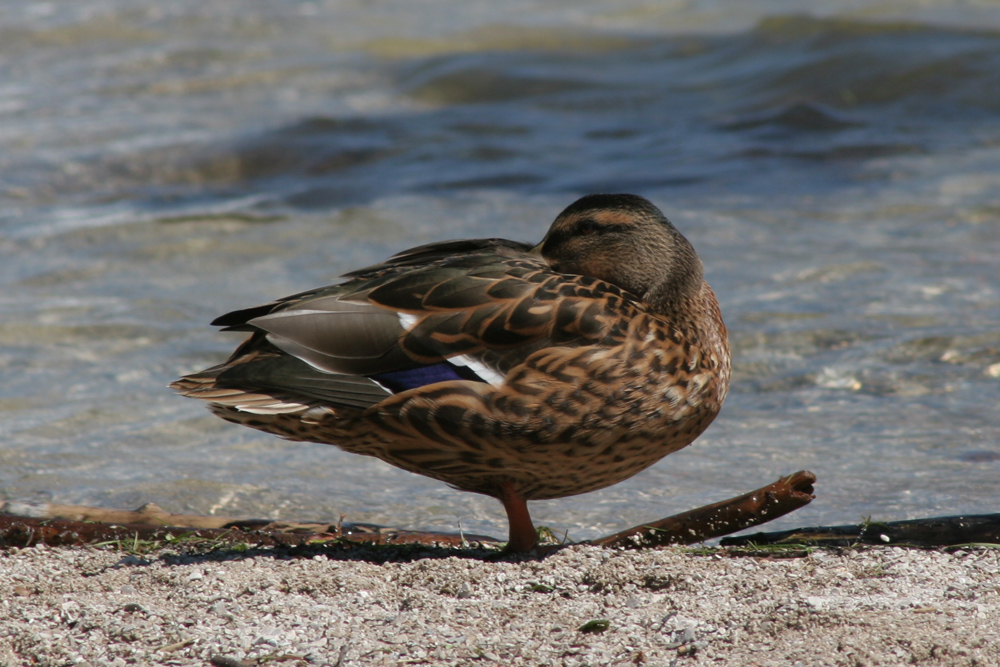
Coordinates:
(627, 241)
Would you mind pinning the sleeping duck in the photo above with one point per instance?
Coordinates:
(520, 372)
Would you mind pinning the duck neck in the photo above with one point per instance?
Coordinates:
(679, 290)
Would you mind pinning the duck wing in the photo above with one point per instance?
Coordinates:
(457, 310)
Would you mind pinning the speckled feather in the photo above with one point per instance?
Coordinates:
(574, 364)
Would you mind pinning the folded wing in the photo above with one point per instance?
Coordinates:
(458, 310)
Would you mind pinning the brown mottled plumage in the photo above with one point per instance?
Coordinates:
(519, 372)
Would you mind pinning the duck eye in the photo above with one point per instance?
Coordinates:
(587, 227)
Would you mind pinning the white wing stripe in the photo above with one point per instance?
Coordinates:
(485, 373)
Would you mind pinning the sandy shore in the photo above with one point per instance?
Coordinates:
(580, 606)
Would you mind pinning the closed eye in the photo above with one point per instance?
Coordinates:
(589, 226)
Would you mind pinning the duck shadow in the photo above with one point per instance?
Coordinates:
(377, 554)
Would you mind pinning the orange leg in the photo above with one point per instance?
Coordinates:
(523, 537)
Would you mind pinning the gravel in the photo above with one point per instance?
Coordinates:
(579, 606)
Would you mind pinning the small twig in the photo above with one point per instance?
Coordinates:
(340, 657)
(170, 648)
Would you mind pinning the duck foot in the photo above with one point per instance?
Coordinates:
(523, 536)
(729, 516)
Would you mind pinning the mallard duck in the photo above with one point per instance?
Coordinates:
(520, 372)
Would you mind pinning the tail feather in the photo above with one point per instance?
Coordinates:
(260, 379)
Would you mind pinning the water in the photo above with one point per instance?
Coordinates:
(839, 175)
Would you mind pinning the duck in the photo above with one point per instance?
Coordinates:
(517, 371)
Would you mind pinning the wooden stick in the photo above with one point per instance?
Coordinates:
(74, 525)
(149, 514)
(751, 509)
(936, 532)
(63, 525)
(26, 531)
(152, 516)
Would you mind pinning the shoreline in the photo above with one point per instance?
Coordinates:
(582, 605)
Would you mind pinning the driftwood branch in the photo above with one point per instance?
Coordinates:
(937, 532)
(73, 525)
(24, 524)
(27, 524)
(149, 514)
(730, 516)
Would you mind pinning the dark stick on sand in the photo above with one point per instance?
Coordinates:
(937, 532)
(62, 525)
(729, 516)
(19, 531)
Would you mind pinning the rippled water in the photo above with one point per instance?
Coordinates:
(839, 175)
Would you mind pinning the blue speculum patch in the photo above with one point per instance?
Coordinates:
(411, 378)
